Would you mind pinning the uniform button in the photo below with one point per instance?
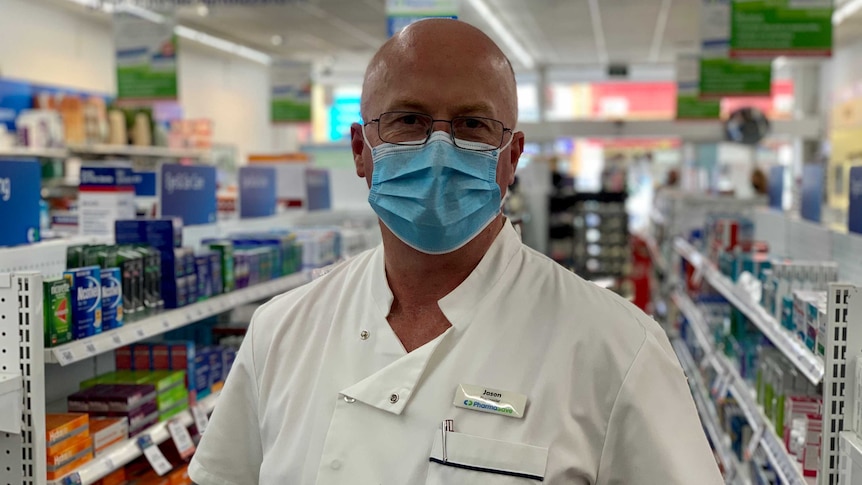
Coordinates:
(393, 398)
(349, 400)
(335, 465)
(364, 335)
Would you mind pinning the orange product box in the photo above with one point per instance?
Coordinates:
(69, 453)
(72, 441)
(217, 386)
(117, 477)
(107, 432)
(150, 478)
(55, 473)
(61, 426)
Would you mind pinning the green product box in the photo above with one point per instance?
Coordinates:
(225, 250)
(173, 397)
(58, 312)
(170, 413)
(75, 256)
(152, 271)
(163, 380)
(131, 264)
(92, 253)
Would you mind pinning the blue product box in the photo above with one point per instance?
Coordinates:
(182, 355)
(20, 194)
(216, 365)
(201, 370)
(112, 298)
(189, 264)
(86, 288)
(204, 279)
(165, 233)
(216, 273)
(130, 231)
(787, 313)
(229, 356)
(191, 289)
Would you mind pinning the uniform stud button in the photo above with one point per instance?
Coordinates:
(349, 400)
(393, 398)
(364, 335)
(335, 465)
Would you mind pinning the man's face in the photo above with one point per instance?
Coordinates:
(444, 86)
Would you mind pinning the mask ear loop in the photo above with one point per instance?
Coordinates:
(365, 138)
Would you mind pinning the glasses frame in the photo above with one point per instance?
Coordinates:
(451, 129)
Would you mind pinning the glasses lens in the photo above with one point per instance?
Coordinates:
(401, 127)
(478, 130)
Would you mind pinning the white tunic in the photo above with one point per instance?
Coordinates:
(322, 391)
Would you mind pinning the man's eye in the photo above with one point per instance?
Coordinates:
(473, 123)
(409, 119)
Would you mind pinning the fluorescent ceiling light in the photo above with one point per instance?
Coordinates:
(503, 33)
(845, 11)
(660, 27)
(183, 31)
(599, 32)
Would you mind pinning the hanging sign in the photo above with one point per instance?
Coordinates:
(733, 78)
(146, 57)
(290, 91)
(257, 191)
(401, 13)
(775, 189)
(812, 191)
(772, 28)
(689, 106)
(854, 212)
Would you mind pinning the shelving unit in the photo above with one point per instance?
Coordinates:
(168, 320)
(804, 359)
(24, 152)
(127, 451)
(137, 151)
(785, 465)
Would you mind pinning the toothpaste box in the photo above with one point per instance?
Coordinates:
(112, 298)
(58, 324)
(86, 291)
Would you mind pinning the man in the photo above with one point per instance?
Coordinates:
(452, 354)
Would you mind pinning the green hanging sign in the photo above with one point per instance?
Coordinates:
(146, 57)
(733, 78)
(772, 28)
(290, 92)
(691, 107)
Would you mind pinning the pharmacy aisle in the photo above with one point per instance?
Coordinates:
(765, 306)
(117, 349)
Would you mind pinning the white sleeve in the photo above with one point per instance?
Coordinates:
(654, 433)
(230, 452)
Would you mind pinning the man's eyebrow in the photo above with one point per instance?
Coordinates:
(479, 108)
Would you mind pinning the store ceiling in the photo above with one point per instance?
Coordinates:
(553, 32)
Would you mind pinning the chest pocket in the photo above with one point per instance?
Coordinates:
(470, 460)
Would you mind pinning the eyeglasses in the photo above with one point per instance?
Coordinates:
(408, 128)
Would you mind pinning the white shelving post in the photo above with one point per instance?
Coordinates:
(22, 454)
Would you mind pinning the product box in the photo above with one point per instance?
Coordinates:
(63, 426)
(225, 251)
(216, 277)
(202, 273)
(20, 189)
(171, 412)
(106, 194)
(180, 476)
(59, 471)
(58, 325)
(107, 432)
(171, 398)
(132, 267)
(70, 453)
(142, 357)
(112, 298)
(152, 291)
(162, 234)
(70, 442)
(117, 477)
(86, 289)
(123, 358)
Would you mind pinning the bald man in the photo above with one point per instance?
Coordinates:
(452, 354)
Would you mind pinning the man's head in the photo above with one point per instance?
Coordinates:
(443, 68)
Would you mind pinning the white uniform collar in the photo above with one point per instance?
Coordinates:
(461, 304)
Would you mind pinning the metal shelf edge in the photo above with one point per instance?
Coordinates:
(168, 320)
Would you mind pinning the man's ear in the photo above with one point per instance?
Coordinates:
(357, 144)
(516, 148)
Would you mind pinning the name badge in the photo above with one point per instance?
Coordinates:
(494, 401)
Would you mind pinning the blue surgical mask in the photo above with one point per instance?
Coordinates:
(435, 197)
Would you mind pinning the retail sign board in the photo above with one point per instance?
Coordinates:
(772, 28)
(146, 57)
(257, 191)
(401, 13)
(689, 106)
(812, 192)
(854, 212)
(20, 193)
(188, 192)
(734, 78)
(106, 194)
(317, 188)
(290, 92)
(715, 28)
(776, 187)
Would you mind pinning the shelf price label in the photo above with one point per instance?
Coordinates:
(66, 356)
(73, 479)
(117, 339)
(140, 332)
(182, 439)
(154, 455)
(201, 419)
(91, 348)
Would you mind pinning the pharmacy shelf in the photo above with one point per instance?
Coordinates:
(851, 449)
(10, 401)
(25, 152)
(655, 253)
(786, 466)
(124, 453)
(136, 151)
(168, 320)
(733, 471)
(804, 359)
